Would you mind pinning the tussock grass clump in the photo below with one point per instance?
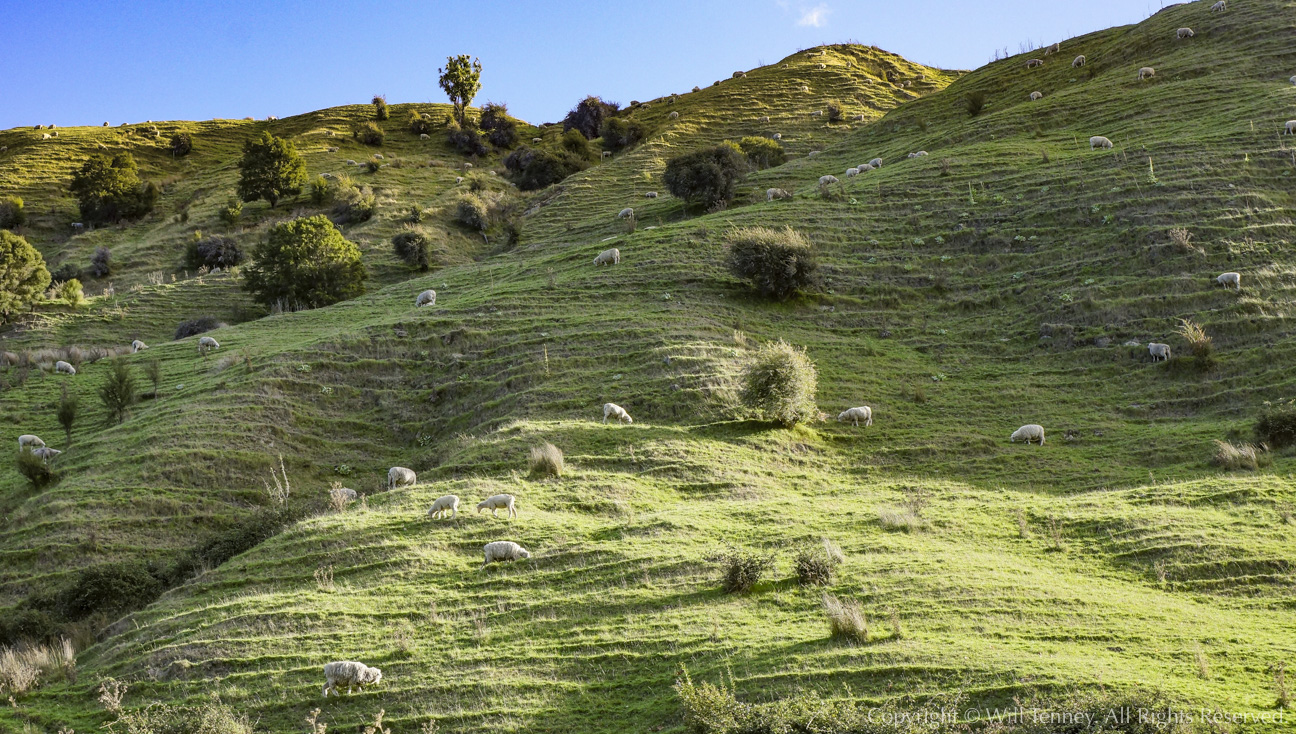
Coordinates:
(900, 518)
(353, 204)
(1276, 426)
(975, 103)
(845, 619)
(1199, 343)
(777, 262)
(72, 292)
(546, 461)
(380, 108)
(780, 384)
(369, 133)
(743, 569)
(817, 566)
(23, 668)
(1241, 456)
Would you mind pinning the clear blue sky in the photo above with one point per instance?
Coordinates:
(79, 63)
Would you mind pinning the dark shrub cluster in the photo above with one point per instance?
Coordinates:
(780, 384)
(743, 569)
(816, 566)
(762, 152)
(833, 111)
(193, 327)
(500, 129)
(213, 251)
(109, 189)
(619, 134)
(535, 169)
(181, 145)
(472, 212)
(466, 138)
(419, 124)
(12, 214)
(101, 264)
(777, 262)
(1276, 426)
(975, 102)
(38, 473)
(414, 248)
(380, 108)
(706, 177)
(108, 589)
(305, 263)
(588, 115)
(575, 143)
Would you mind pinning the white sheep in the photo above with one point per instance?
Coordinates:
(816, 113)
(616, 411)
(379, 156)
(805, 89)
(650, 195)
(206, 344)
(608, 257)
(776, 136)
(855, 415)
(537, 140)
(64, 368)
(45, 453)
(424, 136)
(1034, 63)
(458, 179)
(1028, 433)
(1053, 49)
(864, 167)
(1219, 7)
(826, 180)
(399, 476)
(1230, 279)
(1079, 62)
(739, 74)
(1290, 127)
(772, 194)
(1159, 352)
(1146, 72)
(1099, 141)
(1036, 96)
(426, 298)
(333, 149)
(852, 172)
(673, 116)
(625, 213)
(876, 163)
(351, 162)
(1292, 80)
(1184, 33)
(858, 118)
(354, 675)
(503, 550)
(448, 503)
(30, 441)
(346, 493)
(496, 503)
(919, 154)
(138, 346)
(767, 119)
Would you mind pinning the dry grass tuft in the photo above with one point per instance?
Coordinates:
(546, 461)
(1241, 456)
(845, 618)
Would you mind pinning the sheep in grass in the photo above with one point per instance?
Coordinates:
(1159, 352)
(772, 194)
(207, 344)
(502, 550)
(625, 213)
(1053, 49)
(1219, 7)
(739, 74)
(855, 415)
(1034, 63)
(876, 163)
(616, 411)
(776, 136)
(351, 674)
(1292, 80)
(673, 116)
(650, 195)
(537, 141)
(30, 441)
(1183, 33)
(767, 119)
(345, 494)
(1029, 433)
(607, 154)
(1099, 141)
(608, 257)
(138, 346)
(63, 368)
(919, 154)
(426, 298)
(805, 89)
(1146, 72)
(816, 113)
(1079, 62)
(497, 503)
(852, 172)
(827, 180)
(448, 503)
(399, 476)
(1036, 96)
(424, 136)
(1290, 127)
(1230, 279)
(45, 454)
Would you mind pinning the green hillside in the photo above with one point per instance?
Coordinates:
(992, 283)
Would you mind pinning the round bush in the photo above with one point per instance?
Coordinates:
(181, 145)
(588, 115)
(762, 152)
(472, 212)
(11, 212)
(706, 177)
(1277, 426)
(500, 129)
(109, 589)
(466, 138)
(535, 169)
(620, 134)
(305, 263)
(777, 262)
(101, 264)
(369, 133)
(353, 204)
(414, 248)
(215, 251)
(779, 385)
(418, 124)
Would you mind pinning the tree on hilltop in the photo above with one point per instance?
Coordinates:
(461, 80)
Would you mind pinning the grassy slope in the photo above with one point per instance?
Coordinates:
(524, 348)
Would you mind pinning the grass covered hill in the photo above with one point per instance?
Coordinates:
(1000, 280)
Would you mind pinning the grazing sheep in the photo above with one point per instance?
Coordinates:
(1036, 96)
(64, 368)
(333, 149)
(650, 195)
(1290, 128)
(816, 113)
(46, 136)
(673, 116)
(354, 675)
(1099, 141)
(616, 411)
(351, 162)
(424, 136)
(137, 346)
(776, 136)
(503, 550)
(1079, 62)
(827, 180)
(805, 89)
(607, 154)
(379, 156)
(426, 298)
(857, 118)
(458, 179)
(772, 194)
(823, 66)
(608, 257)
(467, 166)
(1292, 80)
(30, 441)
(739, 74)
(537, 140)
(206, 344)
(625, 213)
(449, 503)
(1146, 72)
(1219, 7)
(1230, 279)
(78, 226)
(876, 163)
(1184, 33)
(767, 119)
(813, 153)
(1034, 63)
(399, 476)
(1159, 352)
(852, 172)
(1028, 433)
(697, 89)
(1053, 49)
(865, 167)
(45, 454)
(496, 503)
(346, 493)
(855, 415)
(919, 154)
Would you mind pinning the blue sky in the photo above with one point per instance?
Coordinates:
(79, 63)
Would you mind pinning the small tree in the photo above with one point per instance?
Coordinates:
(271, 169)
(777, 263)
(153, 372)
(369, 133)
(181, 145)
(35, 469)
(68, 408)
(71, 291)
(380, 108)
(413, 248)
(109, 189)
(588, 115)
(418, 124)
(975, 102)
(535, 169)
(619, 134)
(117, 393)
(706, 177)
(306, 262)
(101, 264)
(465, 138)
(23, 275)
(232, 212)
(12, 214)
(214, 251)
(780, 383)
(461, 80)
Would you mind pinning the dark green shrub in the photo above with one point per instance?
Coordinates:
(419, 125)
(109, 189)
(588, 115)
(777, 263)
(352, 204)
(472, 212)
(25, 625)
(619, 134)
(575, 143)
(65, 272)
(35, 469)
(270, 169)
(194, 327)
(305, 263)
(12, 214)
(264, 524)
(816, 566)
(1276, 426)
(762, 152)
(368, 133)
(743, 569)
(117, 391)
(108, 589)
(214, 251)
(975, 102)
(535, 169)
(380, 108)
(321, 191)
(101, 264)
(414, 248)
(232, 212)
(69, 408)
(500, 129)
(372, 166)
(707, 177)
(465, 138)
(181, 145)
(779, 385)
(23, 275)
(833, 111)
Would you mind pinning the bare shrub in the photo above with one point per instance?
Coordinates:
(845, 618)
(743, 569)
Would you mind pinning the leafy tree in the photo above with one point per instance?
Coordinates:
(380, 108)
(11, 212)
(535, 169)
(706, 177)
(762, 152)
(72, 292)
(418, 124)
(215, 251)
(117, 393)
(109, 189)
(369, 133)
(461, 80)
(414, 248)
(619, 134)
(68, 408)
(23, 275)
(181, 145)
(271, 168)
(588, 115)
(305, 262)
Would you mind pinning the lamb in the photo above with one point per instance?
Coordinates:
(354, 675)
(45, 454)
(1219, 7)
(805, 89)
(1230, 279)
(673, 116)
(1146, 72)
(827, 180)
(855, 415)
(1079, 62)
(1034, 63)
(772, 194)
(650, 195)
(1028, 433)
(379, 156)
(426, 298)
(625, 213)
(1184, 33)
(608, 257)
(865, 167)
(876, 163)
(823, 66)
(1036, 96)
(1053, 49)
(346, 493)
(503, 550)
(449, 502)
(399, 476)
(64, 368)
(537, 140)
(206, 344)
(1099, 141)
(616, 411)
(30, 441)
(1159, 352)
(137, 346)
(458, 179)
(494, 504)
(351, 162)
(333, 149)
(1290, 128)
(852, 172)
